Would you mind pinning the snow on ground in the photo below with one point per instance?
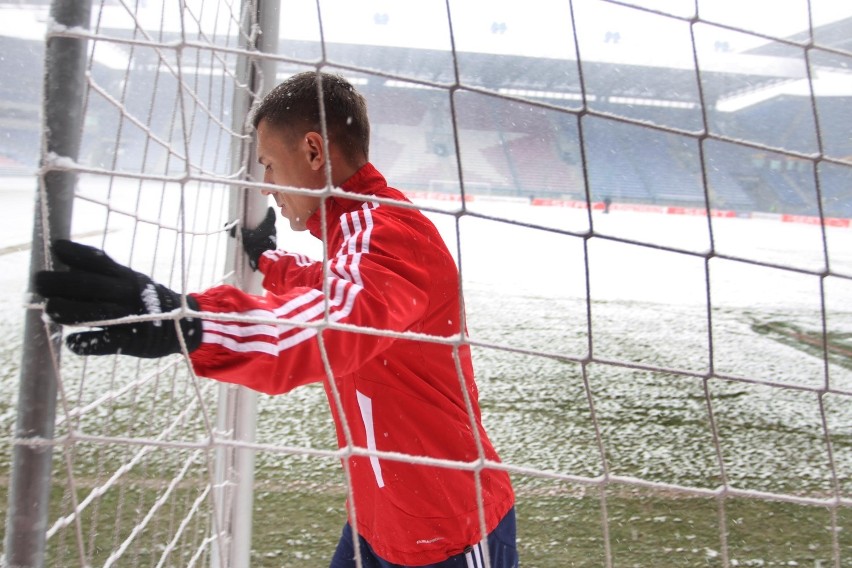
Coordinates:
(525, 288)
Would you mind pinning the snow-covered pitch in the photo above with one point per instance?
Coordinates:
(635, 331)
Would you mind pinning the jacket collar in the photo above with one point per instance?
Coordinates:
(366, 181)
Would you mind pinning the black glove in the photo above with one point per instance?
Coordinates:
(98, 288)
(260, 239)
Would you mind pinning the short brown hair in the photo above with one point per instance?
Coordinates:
(294, 106)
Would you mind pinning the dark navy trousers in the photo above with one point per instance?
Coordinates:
(502, 551)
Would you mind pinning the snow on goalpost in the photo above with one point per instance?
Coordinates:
(145, 153)
(667, 377)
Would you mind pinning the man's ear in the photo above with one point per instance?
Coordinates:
(315, 150)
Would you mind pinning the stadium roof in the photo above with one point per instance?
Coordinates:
(527, 47)
(607, 67)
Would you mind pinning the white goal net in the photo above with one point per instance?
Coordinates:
(650, 205)
(139, 475)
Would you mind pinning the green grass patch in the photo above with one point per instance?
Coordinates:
(566, 528)
(558, 526)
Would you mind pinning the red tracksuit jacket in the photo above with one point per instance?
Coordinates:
(388, 269)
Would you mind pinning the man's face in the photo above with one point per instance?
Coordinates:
(291, 164)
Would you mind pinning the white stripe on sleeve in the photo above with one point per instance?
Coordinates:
(344, 286)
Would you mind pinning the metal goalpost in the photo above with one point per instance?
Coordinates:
(66, 88)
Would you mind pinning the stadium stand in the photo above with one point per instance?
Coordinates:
(505, 147)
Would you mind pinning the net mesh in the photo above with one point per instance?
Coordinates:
(650, 213)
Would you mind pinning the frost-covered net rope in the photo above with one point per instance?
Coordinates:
(165, 211)
(835, 499)
(136, 438)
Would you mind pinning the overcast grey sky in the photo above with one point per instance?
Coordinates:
(538, 28)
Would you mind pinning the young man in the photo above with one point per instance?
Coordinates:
(388, 269)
